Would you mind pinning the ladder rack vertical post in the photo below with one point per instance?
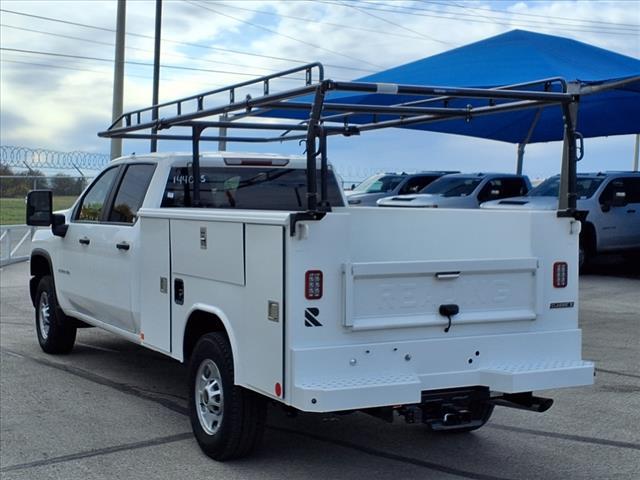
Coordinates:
(568, 184)
(195, 164)
(312, 133)
(324, 201)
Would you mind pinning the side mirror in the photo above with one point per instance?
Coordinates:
(39, 208)
(40, 214)
(59, 226)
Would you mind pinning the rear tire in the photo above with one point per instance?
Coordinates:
(55, 333)
(227, 420)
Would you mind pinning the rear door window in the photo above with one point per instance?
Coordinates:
(255, 188)
(93, 203)
(131, 193)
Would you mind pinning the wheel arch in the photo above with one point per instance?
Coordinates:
(39, 266)
(203, 319)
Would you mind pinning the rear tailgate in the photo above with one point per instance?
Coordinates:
(410, 294)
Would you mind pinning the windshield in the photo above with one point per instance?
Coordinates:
(379, 184)
(453, 186)
(585, 187)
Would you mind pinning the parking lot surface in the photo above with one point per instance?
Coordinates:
(112, 409)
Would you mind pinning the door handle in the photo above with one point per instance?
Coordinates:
(84, 241)
(178, 291)
(122, 246)
(631, 210)
(447, 275)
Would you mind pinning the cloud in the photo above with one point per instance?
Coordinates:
(62, 108)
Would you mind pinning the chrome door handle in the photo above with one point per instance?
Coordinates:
(447, 275)
(84, 241)
(122, 246)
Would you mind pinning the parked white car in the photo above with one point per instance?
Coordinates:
(611, 205)
(382, 185)
(462, 190)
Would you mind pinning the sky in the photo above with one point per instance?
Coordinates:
(56, 92)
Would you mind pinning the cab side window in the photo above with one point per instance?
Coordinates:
(94, 201)
(632, 186)
(491, 191)
(614, 189)
(415, 184)
(131, 193)
(513, 187)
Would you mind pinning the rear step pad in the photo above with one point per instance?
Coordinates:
(513, 378)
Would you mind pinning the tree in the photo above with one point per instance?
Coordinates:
(62, 184)
(19, 187)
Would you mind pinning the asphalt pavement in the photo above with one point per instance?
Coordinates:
(112, 409)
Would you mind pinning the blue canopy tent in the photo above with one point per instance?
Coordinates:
(608, 84)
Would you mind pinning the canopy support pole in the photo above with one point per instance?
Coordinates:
(520, 158)
(526, 140)
(636, 152)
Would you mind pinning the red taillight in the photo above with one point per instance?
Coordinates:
(313, 285)
(560, 274)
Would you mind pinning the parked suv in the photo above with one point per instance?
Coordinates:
(384, 184)
(463, 190)
(611, 201)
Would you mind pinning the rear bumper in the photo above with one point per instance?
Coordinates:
(396, 373)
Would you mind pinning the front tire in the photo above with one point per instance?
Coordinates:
(55, 334)
(227, 420)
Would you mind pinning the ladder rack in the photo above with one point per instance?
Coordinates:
(348, 112)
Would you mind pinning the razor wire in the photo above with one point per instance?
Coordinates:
(37, 158)
(40, 158)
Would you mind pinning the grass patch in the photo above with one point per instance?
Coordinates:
(12, 210)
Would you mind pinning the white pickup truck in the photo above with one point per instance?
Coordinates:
(434, 314)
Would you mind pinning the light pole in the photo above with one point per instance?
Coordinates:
(118, 76)
(156, 70)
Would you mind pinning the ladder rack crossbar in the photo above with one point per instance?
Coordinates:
(128, 117)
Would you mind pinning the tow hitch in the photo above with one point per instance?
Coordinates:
(462, 409)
